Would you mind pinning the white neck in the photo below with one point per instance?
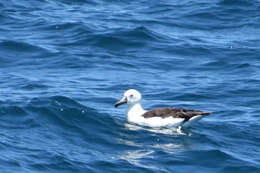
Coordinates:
(135, 112)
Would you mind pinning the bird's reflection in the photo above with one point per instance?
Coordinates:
(147, 150)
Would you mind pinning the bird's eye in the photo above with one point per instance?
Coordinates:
(131, 95)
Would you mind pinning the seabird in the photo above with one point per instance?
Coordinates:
(157, 117)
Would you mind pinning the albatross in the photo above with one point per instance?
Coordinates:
(157, 117)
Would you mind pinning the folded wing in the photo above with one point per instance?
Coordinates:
(174, 112)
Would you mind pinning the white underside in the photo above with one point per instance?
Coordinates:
(170, 121)
(158, 121)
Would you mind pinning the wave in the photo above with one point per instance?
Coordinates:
(118, 39)
(56, 111)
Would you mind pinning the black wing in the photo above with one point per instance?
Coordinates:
(174, 112)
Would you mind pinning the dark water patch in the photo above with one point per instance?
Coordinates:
(22, 50)
(13, 110)
(254, 104)
(142, 33)
(79, 2)
(242, 3)
(19, 47)
(34, 86)
(233, 169)
(115, 43)
(14, 117)
(13, 164)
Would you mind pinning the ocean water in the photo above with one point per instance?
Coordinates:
(64, 63)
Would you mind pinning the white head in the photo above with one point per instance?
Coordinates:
(131, 97)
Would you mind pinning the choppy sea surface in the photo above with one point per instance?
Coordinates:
(64, 63)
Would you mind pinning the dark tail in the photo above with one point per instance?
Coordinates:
(205, 113)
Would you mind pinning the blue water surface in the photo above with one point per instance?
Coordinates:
(64, 63)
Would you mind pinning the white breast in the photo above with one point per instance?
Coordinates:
(135, 113)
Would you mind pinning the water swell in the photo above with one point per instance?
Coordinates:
(120, 39)
(57, 111)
